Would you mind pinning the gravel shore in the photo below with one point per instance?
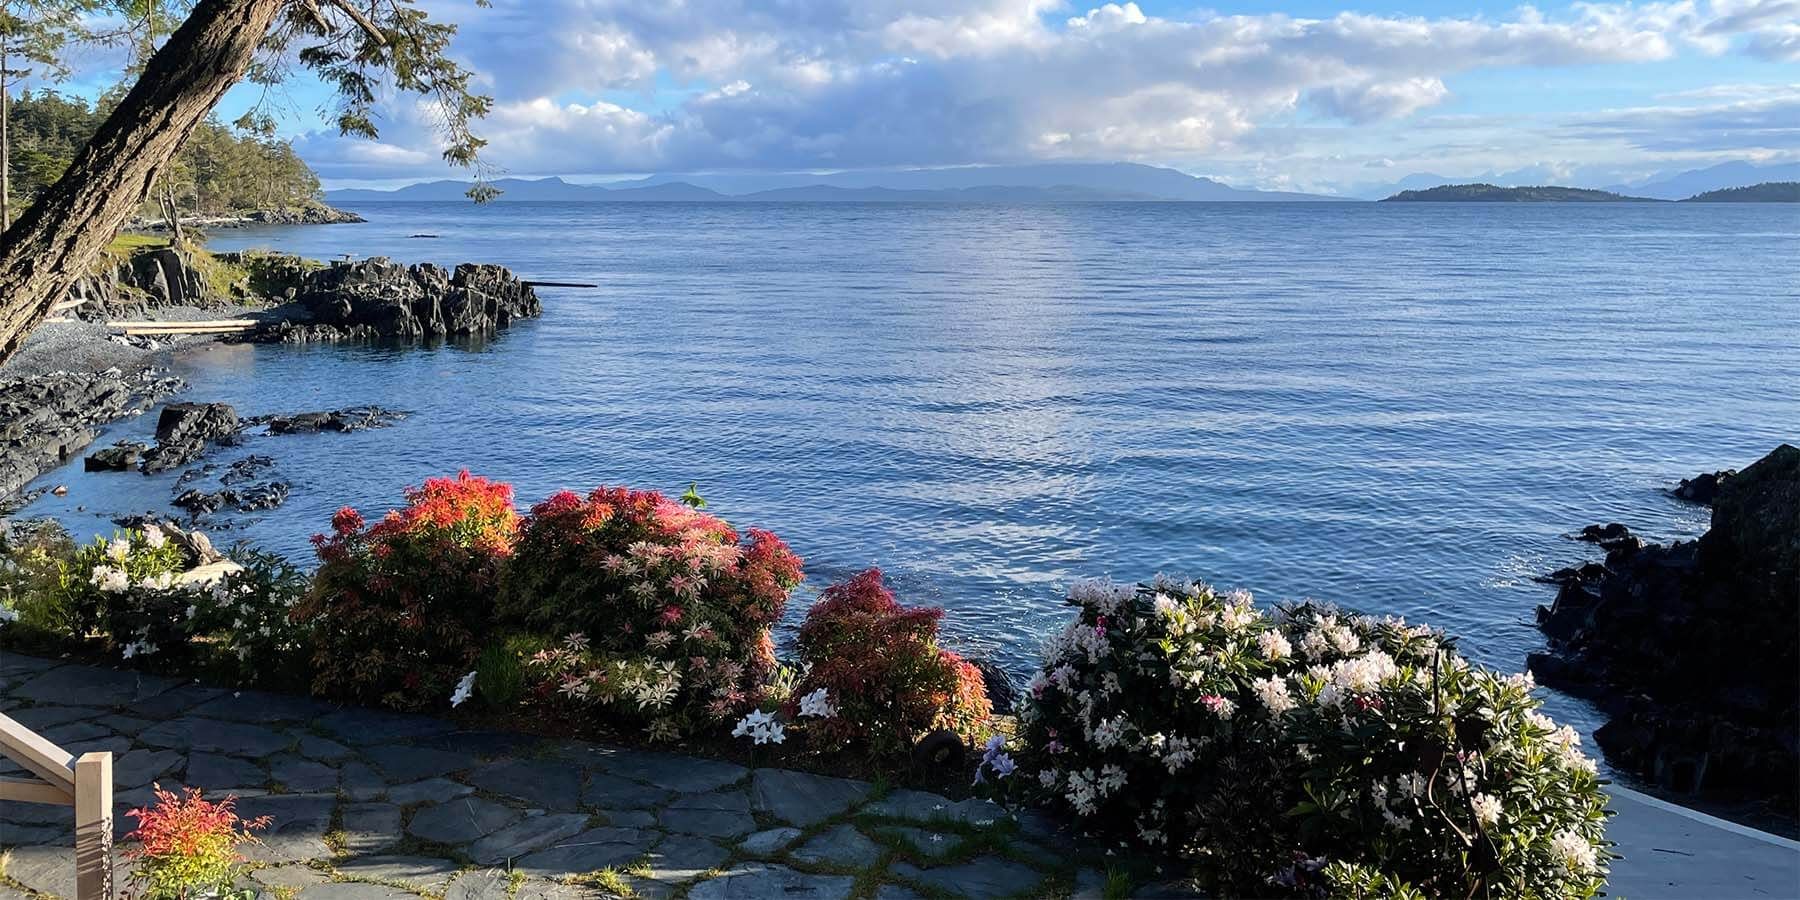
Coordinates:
(92, 347)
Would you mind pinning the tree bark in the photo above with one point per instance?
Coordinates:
(59, 237)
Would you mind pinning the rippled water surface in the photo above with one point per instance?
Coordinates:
(1398, 407)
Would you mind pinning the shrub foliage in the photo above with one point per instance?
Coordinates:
(664, 610)
(882, 668)
(1309, 752)
(400, 609)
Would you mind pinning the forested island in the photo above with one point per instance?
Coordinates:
(1489, 193)
(1767, 192)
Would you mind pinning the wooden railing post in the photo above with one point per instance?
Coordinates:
(93, 826)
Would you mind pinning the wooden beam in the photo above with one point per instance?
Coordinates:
(94, 826)
(30, 790)
(44, 759)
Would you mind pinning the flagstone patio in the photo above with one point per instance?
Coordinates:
(371, 805)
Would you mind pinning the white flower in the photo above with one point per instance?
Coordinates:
(138, 648)
(109, 580)
(1274, 645)
(154, 537)
(1487, 809)
(818, 703)
(1165, 606)
(1111, 778)
(1108, 732)
(464, 688)
(1048, 778)
(1179, 752)
(760, 727)
(118, 549)
(1273, 693)
(1573, 851)
(1314, 645)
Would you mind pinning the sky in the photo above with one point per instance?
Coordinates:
(1292, 94)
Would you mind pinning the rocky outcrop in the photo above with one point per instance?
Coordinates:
(149, 280)
(382, 299)
(184, 430)
(46, 419)
(1702, 488)
(309, 214)
(1691, 647)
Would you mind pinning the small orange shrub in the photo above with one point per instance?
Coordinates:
(189, 845)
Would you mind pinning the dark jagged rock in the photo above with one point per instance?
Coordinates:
(247, 499)
(247, 468)
(117, 458)
(184, 430)
(1691, 646)
(148, 280)
(381, 299)
(1000, 690)
(354, 418)
(1701, 488)
(317, 214)
(46, 419)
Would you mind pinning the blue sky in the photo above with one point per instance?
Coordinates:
(1299, 95)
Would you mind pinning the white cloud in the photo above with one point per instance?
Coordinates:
(708, 84)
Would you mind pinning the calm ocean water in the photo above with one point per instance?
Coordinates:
(1401, 408)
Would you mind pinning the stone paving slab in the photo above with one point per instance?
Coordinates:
(373, 805)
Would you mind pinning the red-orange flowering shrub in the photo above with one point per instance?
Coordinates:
(883, 671)
(666, 610)
(189, 845)
(399, 608)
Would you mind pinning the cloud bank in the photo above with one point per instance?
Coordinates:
(609, 86)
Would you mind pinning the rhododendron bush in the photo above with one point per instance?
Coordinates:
(879, 663)
(400, 609)
(189, 846)
(664, 611)
(1307, 752)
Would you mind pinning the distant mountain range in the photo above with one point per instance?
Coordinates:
(1013, 184)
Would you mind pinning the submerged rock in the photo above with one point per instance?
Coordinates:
(354, 418)
(184, 430)
(117, 458)
(251, 498)
(1691, 646)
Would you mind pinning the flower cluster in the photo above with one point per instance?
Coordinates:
(125, 586)
(668, 610)
(189, 845)
(399, 608)
(764, 727)
(1275, 750)
(881, 663)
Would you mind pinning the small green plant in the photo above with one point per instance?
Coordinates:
(500, 672)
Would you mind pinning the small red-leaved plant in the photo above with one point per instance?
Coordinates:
(189, 845)
(880, 664)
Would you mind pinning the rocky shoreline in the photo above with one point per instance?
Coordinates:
(1689, 647)
(46, 420)
(74, 377)
(316, 214)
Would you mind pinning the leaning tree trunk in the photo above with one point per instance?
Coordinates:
(61, 235)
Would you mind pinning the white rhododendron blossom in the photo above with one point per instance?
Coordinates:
(154, 537)
(110, 580)
(118, 549)
(1272, 692)
(1273, 645)
(1574, 851)
(818, 704)
(1487, 809)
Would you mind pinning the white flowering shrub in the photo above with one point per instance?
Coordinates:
(109, 584)
(1306, 752)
